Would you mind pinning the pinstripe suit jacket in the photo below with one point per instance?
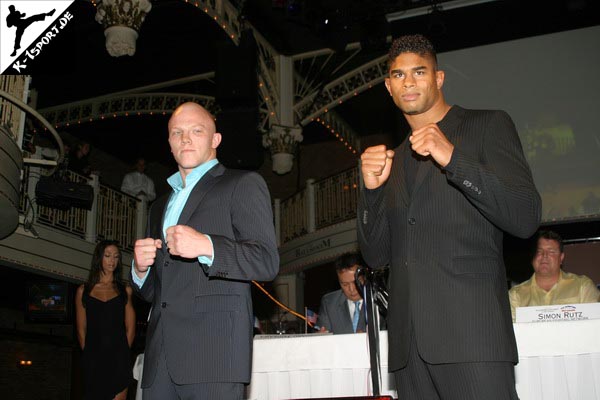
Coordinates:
(334, 314)
(203, 316)
(443, 241)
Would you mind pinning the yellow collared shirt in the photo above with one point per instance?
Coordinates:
(570, 289)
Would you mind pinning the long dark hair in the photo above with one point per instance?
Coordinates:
(96, 266)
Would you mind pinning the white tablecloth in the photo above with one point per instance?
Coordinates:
(557, 361)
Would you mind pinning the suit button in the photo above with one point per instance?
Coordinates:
(164, 304)
(412, 221)
(166, 264)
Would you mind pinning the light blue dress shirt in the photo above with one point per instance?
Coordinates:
(180, 195)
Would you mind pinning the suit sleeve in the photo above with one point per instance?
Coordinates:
(323, 320)
(499, 184)
(373, 227)
(252, 254)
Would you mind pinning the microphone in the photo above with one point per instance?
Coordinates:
(377, 278)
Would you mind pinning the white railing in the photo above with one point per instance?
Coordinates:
(114, 215)
(10, 114)
(293, 217)
(323, 203)
(118, 216)
(336, 198)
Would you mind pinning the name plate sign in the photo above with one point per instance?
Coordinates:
(562, 312)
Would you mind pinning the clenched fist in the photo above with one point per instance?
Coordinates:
(431, 141)
(144, 253)
(376, 164)
(186, 242)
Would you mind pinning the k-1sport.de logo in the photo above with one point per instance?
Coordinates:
(26, 27)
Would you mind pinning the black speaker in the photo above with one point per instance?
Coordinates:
(63, 195)
(241, 144)
(236, 73)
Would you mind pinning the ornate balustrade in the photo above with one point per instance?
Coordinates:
(118, 216)
(322, 203)
(114, 214)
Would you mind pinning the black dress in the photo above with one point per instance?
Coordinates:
(106, 356)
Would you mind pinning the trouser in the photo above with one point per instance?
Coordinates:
(163, 387)
(454, 381)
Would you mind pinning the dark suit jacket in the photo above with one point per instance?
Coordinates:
(443, 241)
(203, 316)
(334, 314)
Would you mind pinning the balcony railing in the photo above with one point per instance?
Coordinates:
(114, 214)
(118, 216)
(10, 115)
(322, 203)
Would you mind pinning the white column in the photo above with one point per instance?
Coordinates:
(92, 215)
(141, 216)
(24, 98)
(289, 290)
(277, 217)
(310, 205)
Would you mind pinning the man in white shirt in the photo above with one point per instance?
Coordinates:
(138, 184)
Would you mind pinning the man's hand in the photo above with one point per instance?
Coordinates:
(187, 242)
(431, 141)
(144, 253)
(376, 164)
(323, 330)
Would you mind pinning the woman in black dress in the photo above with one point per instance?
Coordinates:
(105, 326)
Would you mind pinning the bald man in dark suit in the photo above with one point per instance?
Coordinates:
(435, 209)
(206, 241)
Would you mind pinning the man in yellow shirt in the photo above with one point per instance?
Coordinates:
(549, 284)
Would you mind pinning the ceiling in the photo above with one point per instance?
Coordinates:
(178, 39)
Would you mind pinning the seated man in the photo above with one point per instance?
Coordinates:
(342, 311)
(549, 283)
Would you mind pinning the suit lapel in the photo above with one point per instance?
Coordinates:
(344, 311)
(199, 191)
(400, 178)
(422, 171)
(157, 215)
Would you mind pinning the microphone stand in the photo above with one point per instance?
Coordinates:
(373, 335)
(373, 287)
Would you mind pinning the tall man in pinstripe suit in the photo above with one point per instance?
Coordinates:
(435, 209)
(205, 242)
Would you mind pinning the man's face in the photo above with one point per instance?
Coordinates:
(414, 83)
(346, 279)
(548, 258)
(192, 137)
(140, 165)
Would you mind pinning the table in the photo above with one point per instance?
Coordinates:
(312, 366)
(557, 361)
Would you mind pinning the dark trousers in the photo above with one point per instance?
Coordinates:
(454, 381)
(163, 387)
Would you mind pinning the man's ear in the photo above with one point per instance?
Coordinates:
(216, 140)
(387, 86)
(439, 78)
